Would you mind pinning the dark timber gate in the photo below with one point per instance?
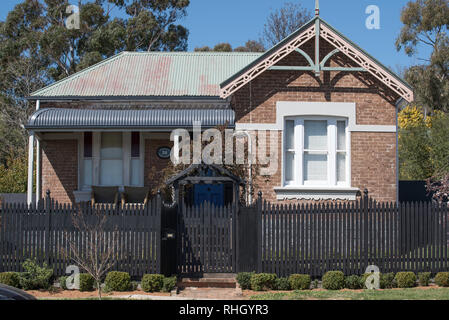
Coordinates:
(206, 239)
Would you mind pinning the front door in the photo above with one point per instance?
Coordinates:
(212, 193)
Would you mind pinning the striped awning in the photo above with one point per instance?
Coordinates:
(56, 119)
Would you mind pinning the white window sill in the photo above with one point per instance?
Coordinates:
(315, 193)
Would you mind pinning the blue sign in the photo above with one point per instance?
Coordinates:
(164, 152)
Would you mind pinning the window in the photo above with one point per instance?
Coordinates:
(111, 159)
(315, 152)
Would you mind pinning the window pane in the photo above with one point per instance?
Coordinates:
(111, 172)
(111, 145)
(135, 144)
(289, 134)
(135, 172)
(87, 144)
(315, 167)
(315, 135)
(289, 166)
(341, 167)
(87, 172)
(341, 135)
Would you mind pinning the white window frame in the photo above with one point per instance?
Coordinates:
(332, 151)
(96, 146)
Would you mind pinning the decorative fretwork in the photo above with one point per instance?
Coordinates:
(366, 63)
(265, 64)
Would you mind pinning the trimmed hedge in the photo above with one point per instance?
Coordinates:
(152, 282)
(424, 278)
(282, 284)
(10, 279)
(387, 281)
(86, 282)
(118, 281)
(263, 281)
(35, 277)
(169, 284)
(442, 279)
(353, 282)
(244, 280)
(405, 279)
(334, 280)
(300, 281)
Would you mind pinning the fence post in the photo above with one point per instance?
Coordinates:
(159, 232)
(48, 207)
(365, 226)
(259, 231)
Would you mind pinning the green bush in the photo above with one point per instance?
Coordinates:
(35, 277)
(169, 284)
(353, 282)
(244, 280)
(387, 281)
(10, 279)
(405, 279)
(424, 279)
(442, 279)
(86, 282)
(334, 280)
(315, 284)
(152, 282)
(118, 281)
(282, 284)
(63, 282)
(299, 281)
(263, 281)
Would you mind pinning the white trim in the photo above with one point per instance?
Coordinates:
(334, 109)
(30, 168)
(315, 193)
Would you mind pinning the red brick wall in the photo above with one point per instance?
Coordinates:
(373, 158)
(60, 169)
(153, 164)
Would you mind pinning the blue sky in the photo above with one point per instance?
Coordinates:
(236, 21)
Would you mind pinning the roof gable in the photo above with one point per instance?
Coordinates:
(316, 28)
(152, 74)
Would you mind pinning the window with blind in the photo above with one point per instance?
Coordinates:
(316, 152)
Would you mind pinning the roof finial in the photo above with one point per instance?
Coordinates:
(317, 8)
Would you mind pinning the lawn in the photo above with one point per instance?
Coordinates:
(391, 294)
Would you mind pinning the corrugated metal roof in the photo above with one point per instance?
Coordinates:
(152, 74)
(73, 119)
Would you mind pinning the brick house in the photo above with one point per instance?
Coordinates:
(332, 106)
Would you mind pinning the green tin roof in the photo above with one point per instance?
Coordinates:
(152, 74)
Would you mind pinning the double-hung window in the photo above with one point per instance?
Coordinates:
(316, 152)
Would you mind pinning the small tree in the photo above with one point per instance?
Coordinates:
(101, 245)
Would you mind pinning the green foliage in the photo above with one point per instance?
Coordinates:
(35, 277)
(10, 279)
(353, 282)
(387, 280)
(86, 282)
(244, 280)
(442, 279)
(14, 175)
(263, 281)
(424, 278)
(334, 280)
(118, 281)
(315, 284)
(300, 281)
(169, 284)
(405, 279)
(282, 284)
(63, 282)
(152, 282)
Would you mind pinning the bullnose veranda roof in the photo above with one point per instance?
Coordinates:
(146, 74)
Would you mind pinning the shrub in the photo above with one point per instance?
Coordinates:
(333, 280)
(424, 279)
(353, 282)
(387, 281)
(405, 279)
(152, 282)
(169, 284)
(263, 281)
(118, 281)
(244, 280)
(63, 282)
(35, 277)
(442, 279)
(282, 284)
(315, 284)
(86, 282)
(299, 281)
(134, 285)
(10, 279)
